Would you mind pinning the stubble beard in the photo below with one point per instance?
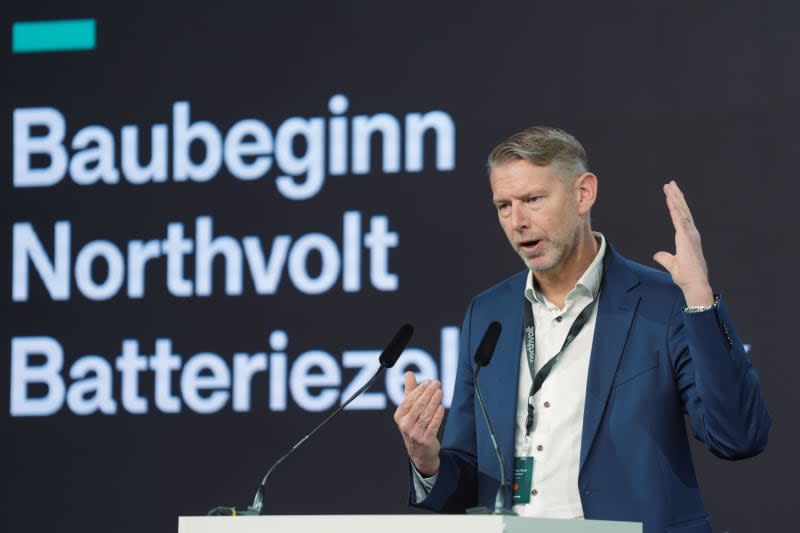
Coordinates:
(560, 248)
(538, 266)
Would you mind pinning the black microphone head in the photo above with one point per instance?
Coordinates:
(486, 348)
(396, 346)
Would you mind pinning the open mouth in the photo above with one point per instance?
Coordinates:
(529, 247)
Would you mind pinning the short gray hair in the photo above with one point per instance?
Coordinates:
(542, 145)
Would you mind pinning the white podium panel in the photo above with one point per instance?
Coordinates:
(397, 524)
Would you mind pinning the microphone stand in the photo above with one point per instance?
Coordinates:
(387, 359)
(258, 501)
(500, 499)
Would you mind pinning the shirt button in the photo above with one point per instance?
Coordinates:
(540, 447)
(559, 318)
(534, 492)
(547, 404)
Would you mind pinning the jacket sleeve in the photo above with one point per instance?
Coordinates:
(718, 385)
(455, 489)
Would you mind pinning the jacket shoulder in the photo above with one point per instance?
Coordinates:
(500, 291)
(650, 279)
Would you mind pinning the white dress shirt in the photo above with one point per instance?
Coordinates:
(555, 441)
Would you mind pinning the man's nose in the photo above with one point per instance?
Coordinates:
(519, 218)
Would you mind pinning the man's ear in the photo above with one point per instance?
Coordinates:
(585, 192)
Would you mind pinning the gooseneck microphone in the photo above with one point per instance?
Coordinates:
(483, 355)
(387, 359)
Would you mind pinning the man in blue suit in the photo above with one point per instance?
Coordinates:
(589, 409)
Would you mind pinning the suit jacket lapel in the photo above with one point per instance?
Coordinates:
(500, 379)
(615, 313)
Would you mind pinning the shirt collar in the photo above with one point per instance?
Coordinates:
(589, 282)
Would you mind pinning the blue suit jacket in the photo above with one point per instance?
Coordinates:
(651, 363)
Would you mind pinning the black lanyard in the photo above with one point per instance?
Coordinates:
(529, 337)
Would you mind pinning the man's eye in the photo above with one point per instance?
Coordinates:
(534, 199)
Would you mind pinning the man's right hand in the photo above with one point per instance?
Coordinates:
(419, 418)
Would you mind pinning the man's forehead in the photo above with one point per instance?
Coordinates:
(521, 171)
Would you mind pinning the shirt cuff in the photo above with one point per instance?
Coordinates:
(422, 485)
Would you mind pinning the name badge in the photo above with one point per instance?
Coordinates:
(523, 477)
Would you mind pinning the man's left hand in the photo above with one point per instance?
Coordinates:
(687, 266)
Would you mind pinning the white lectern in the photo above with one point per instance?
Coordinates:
(397, 524)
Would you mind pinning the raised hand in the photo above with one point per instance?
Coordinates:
(687, 265)
(419, 417)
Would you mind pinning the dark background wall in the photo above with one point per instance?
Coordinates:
(705, 94)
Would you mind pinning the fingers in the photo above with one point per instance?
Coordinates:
(436, 422)
(427, 418)
(687, 264)
(419, 410)
(687, 236)
(412, 393)
(419, 417)
(678, 208)
(410, 382)
(420, 407)
(664, 259)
